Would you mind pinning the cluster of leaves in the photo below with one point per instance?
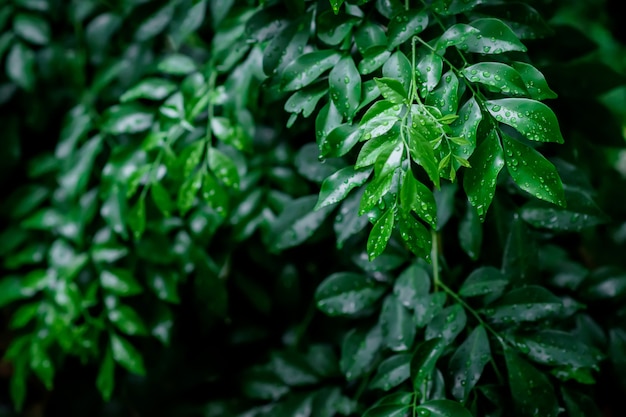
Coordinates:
(174, 189)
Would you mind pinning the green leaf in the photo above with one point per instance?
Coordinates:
(468, 361)
(442, 408)
(358, 352)
(417, 197)
(346, 293)
(333, 28)
(340, 141)
(480, 181)
(392, 90)
(422, 153)
(415, 235)
(345, 87)
(392, 372)
(534, 81)
(456, 34)
(155, 23)
(471, 232)
(531, 390)
(20, 66)
(164, 285)
(292, 368)
(105, 381)
(215, 195)
(531, 118)
(126, 355)
(532, 172)
(162, 199)
(396, 321)
(447, 325)
(390, 410)
(446, 96)
(374, 192)
(31, 28)
(423, 363)
(404, 25)
(556, 347)
(369, 34)
(307, 68)
(336, 4)
(336, 187)
(127, 320)
(530, 303)
(305, 100)
(177, 64)
(483, 281)
(398, 67)
(495, 38)
(380, 235)
(41, 364)
(326, 121)
(224, 168)
(497, 77)
(187, 192)
(428, 307)
(120, 282)
(412, 285)
(114, 210)
(126, 118)
(310, 166)
(137, 218)
(297, 222)
(348, 222)
(373, 59)
(429, 69)
(151, 89)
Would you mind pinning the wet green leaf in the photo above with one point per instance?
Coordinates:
(336, 187)
(423, 154)
(442, 408)
(447, 324)
(392, 90)
(369, 34)
(456, 34)
(429, 69)
(423, 363)
(348, 222)
(307, 68)
(374, 58)
(428, 307)
(305, 100)
(417, 197)
(483, 281)
(333, 28)
(398, 67)
(392, 372)
(297, 222)
(471, 232)
(379, 145)
(373, 194)
(415, 235)
(467, 363)
(531, 390)
(446, 96)
(531, 118)
(404, 25)
(126, 118)
(555, 347)
(495, 38)
(340, 141)
(162, 199)
(223, 167)
(126, 355)
(396, 321)
(532, 172)
(534, 81)
(480, 181)
(188, 191)
(412, 285)
(497, 77)
(345, 87)
(380, 235)
(358, 352)
(530, 303)
(346, 293)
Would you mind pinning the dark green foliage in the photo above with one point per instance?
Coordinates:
(312, 208)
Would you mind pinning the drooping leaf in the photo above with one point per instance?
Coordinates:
(495, 38)
(530, 303)
(358, 352)
(307, 68)
(456, 34)
(297, 222)
(532, 172)
(531, 118)
(336, 187)
(534, 81)
(346, 293)
(467, 363)
(126, 355)
(423, 363)
(380, 234)
(345, 86)
(480, 181)
(415, 235)
(497, 77)
(397, 325)
(404, 25)
(340, 141)
(531, 390)
(471, 232)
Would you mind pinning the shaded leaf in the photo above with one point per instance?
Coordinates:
(346, 293)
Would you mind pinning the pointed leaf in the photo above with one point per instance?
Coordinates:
(412, 285)
(495, 38)
(307, 68)
(404, 25)
(126, 355)
(380, 235)
(442, 408)
(447, 324)
(530, 303)
(336, 187)
(345, 87)
(468, 361)
(397, 324)
(531, 118)
(417, 197)
(415, 235)
(358, 352)
(346, 293)
(297, 222)
(535, 82)
(532, 172)
(499, 77)
(392, 372)
(482, 281)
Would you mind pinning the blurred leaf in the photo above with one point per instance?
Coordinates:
(397, 324)
(32, 28)
(20, 66)
(358, 351)
(346, 293)
(392, 372)
(530, 303)
(297, 222)
(126, 355)
(467, 363)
